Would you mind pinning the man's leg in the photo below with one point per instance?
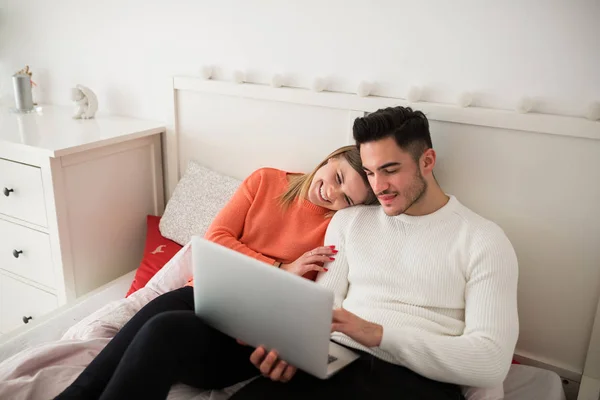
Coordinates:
(177, 346)
(92, 381)
(390, 381)
(349, 383)
(367, 378)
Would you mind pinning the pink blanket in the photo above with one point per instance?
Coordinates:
(43, 372)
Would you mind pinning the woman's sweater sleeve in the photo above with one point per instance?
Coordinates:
(227, 227)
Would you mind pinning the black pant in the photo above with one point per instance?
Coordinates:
(366, 378)
(165, 343)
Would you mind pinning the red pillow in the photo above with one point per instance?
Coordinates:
(158, 251)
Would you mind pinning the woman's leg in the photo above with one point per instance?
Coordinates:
(178, 346)
(92, 381)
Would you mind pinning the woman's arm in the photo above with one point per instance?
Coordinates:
(227, 227)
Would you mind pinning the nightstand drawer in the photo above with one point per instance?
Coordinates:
(21, 303)
(22, 192)
(26, 252)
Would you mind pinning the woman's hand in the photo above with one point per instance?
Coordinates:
(311, 261)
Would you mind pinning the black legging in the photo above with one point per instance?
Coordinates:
(166, 343)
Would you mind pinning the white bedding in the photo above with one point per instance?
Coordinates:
(44, 370)
(525, 382)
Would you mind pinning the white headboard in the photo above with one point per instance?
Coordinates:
(536, 175)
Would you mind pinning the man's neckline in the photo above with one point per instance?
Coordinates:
(434, 216)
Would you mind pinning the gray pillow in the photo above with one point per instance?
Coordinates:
(196, 200)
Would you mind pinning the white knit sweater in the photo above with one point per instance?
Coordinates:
(443, 286)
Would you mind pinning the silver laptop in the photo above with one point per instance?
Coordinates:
(262, 305)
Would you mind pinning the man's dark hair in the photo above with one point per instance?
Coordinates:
(409, 128)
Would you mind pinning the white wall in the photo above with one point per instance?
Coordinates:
(125, 49)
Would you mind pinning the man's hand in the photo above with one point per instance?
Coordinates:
(364, 332)
(271, 366)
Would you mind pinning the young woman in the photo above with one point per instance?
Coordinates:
(277, 217)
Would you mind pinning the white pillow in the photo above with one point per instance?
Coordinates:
(196, 200)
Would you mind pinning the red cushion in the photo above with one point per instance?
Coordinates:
(158, 251)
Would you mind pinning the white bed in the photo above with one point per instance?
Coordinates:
(234, 129)
(94, 319)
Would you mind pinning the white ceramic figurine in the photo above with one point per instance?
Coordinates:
(86, 101)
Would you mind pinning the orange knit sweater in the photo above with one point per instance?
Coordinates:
(254, 223)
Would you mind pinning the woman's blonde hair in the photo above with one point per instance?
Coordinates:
(299, 184)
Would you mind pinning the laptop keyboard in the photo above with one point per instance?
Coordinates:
(331, 359)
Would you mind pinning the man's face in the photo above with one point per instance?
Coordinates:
(393, 174)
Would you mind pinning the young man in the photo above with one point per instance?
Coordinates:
(425, 288)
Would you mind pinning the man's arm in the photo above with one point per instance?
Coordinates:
(336, 278)
(481, 356)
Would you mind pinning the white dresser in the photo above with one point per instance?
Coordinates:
(74, 195)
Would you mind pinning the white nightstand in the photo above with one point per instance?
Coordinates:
(74, 195)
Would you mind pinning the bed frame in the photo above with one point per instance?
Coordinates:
(590, 381)
(525, 171)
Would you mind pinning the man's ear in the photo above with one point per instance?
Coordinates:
(428, 159)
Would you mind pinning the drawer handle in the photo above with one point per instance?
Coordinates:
(8, 191)
(17, 253)
(26, 319)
